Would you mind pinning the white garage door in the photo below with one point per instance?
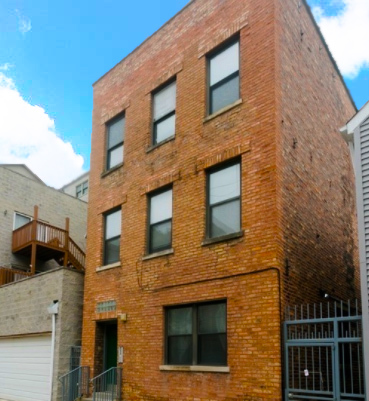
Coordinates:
(25, 368)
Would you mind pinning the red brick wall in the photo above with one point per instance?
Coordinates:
(239, 269)
(316, 181)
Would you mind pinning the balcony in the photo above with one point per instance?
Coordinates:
(42, 242)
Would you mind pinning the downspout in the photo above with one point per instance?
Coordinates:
(53, 311)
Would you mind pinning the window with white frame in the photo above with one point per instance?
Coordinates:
(21, 220)
(224, 77)
(196, 334)
(160, 221)
(115, 142)
(224, 200)
(164, 113)
(112, 233)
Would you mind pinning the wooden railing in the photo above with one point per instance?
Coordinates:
(10, 275)
(76, 252)
(22, 235)
(52, 237)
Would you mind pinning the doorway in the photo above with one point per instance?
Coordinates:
(106, 344)
(110, 346)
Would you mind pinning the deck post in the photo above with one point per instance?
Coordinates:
(34, 239)
(66, 254)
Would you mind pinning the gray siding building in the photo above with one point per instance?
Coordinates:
(42, 243)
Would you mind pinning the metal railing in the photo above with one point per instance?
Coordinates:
(324, 352)
(108, 385)
(75, 383)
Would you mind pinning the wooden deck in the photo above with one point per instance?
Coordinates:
(42, 241)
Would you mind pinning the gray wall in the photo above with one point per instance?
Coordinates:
(23, 310)
(19, 194)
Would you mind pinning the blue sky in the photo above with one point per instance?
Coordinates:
(52, 52)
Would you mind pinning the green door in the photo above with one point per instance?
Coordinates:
(111, 345)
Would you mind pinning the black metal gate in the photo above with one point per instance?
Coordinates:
(323, 352)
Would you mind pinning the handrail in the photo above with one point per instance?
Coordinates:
(75, 383)
(107, 386)
(103, 373)
(60, 378)
(8, 275)
(76, 252)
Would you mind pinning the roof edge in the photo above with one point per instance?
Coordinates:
(146, 40)
(329, 52)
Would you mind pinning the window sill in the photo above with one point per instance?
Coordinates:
(157, 145)
(194, 368)
(210, 241)
(107, 172)
(223, 110)
(108, 267)
(158, 254)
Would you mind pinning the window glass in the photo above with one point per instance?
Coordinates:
(225, 219)
(204, 343)
(165, 128)
(112, 237)
(161, 207)
(161, 236)
(180, 350)
(112, 250)
(224, 81)
(224, 63)
(225, 184)
(211, 318)
(116, 132)
(85, 187)
(224, 203)
(180, 321)
(212, 349)
(225, 94)
(113, 224)
(116, 156)
(79, 191)
(165, 101)
(115, 140)
(20, 220)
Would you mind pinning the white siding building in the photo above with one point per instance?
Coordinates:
(356, 134)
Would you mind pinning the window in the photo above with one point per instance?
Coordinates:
(160, 221)
(224, 206)
(224, 77)
(115, 142)
(20, 220)
(164, 113)
(197, 334)
(112, 237)
(82, 189)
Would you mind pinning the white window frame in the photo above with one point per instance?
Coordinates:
(21, 214)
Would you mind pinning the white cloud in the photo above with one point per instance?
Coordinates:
(27, 135)
(5, 67)
(346, 34)
(24, 23)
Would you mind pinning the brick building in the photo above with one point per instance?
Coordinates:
(220, 192)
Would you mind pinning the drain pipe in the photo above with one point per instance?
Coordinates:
(53, 310)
